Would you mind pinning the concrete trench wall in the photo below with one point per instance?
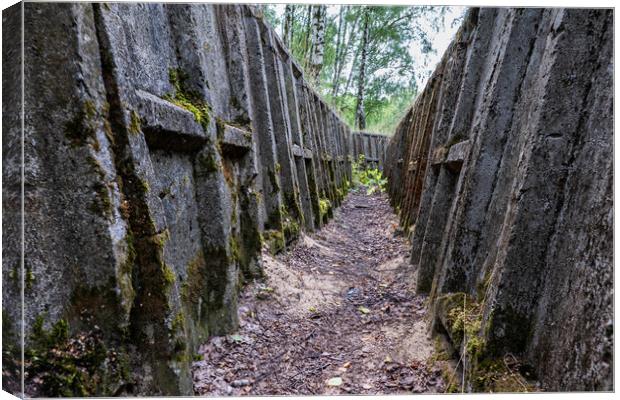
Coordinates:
(163, 145)
(502, 173)
(372, 146)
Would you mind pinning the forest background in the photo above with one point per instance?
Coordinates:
(368, 62)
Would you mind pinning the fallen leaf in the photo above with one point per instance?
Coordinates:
(347, 364)
(363, 310)
(337, 381)
(236, 338)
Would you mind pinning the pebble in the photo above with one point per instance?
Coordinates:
(240, 383)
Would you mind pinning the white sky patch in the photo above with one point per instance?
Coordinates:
(440, 40)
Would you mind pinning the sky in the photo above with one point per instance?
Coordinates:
(441, 40)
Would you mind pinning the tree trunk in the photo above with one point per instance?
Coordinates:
(344, 54)
(360, 114)
(287, 33)
(339, 45)
(318, 42)
(307, 41)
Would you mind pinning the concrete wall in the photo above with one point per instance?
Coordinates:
(502, 173)
(164, 144)
(372, 146)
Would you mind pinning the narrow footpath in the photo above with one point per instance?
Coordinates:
(336, 314)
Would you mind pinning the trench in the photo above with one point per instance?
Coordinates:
(192, 193)
(336, 313)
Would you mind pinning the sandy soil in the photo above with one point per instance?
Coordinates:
(336, 313)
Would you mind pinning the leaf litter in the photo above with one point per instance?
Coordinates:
(340, 316)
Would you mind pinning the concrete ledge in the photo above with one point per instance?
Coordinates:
(298, 151)
(235, 140)
(167, 125)
(457, 155)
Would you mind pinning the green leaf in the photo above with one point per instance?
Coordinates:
(336, 381)
(363, 310)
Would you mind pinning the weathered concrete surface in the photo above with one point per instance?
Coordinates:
(372, 146)
(164, 145)
(502, 173)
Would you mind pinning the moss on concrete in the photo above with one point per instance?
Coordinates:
(83, 126)
(209, 162)
(274, 240)
(188, 99)
(134, 123)
(325, 209)
(67, 365)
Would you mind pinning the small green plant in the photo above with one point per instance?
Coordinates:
(65, 365)
(324, 208)
(369, 178)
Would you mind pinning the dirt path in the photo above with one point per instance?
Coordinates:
(336, 314)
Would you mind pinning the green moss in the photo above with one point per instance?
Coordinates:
(487, 371)
(29, 278)
(11, 355)
(258, 197)
(439, 353)
(208, 162)
(144, 186)
(234, 248)
(274, 240)
(464, 317)
(278, 168)
(168, 274)
(325, 207)
(66, 366)
(134, 126)
(290, 228)
(452, 380)
(496, 376)
(178, 322)
(83, 126)
(187, 99)
(102, 204)
(275, 183)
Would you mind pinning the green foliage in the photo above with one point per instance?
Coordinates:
(369, 178)
(68, 366)
(392, 73)
(325, 207)
(274, 240)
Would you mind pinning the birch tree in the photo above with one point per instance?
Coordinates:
(318, 43)
(360, 113)
(287, 31)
